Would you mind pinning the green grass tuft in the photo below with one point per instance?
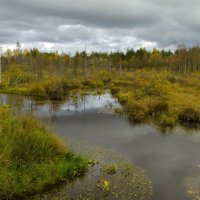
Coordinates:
(31, 157)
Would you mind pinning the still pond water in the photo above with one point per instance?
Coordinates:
(167, 158)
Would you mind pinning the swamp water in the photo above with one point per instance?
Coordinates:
(166, 158)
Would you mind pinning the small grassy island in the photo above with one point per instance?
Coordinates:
(31, 157)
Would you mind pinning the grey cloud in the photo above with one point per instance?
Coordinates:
(104, 24)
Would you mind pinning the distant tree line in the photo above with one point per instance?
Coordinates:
(182, 60)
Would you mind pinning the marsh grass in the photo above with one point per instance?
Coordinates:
(167, 121)
(136, 112)
(31, 157)
(146, 94)
(189, 115)
(163, 98)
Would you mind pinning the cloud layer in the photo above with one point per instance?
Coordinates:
(106, 25)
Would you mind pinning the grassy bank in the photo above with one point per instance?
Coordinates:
(112, 177)
(31, 157)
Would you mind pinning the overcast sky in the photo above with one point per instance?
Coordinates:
(106, 25)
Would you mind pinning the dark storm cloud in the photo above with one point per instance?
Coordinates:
(104, 24)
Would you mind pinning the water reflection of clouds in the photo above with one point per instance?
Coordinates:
(90, 102)
(50, 110)
(19, 104)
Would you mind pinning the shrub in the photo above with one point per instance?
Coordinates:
(92, 83)
(38, 91)
(166, 121)
(156, 108)
(54, 88)
(106, 81)
(125, 96)
(114, 90)
(119, 111)
(105, 76)
(122, 83)
(2, 85)
(71, 84)
(173, 78)
(155, 88)
(17, 75)
(136, 111)
(189, 116)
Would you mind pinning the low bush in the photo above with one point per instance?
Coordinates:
(155, 88)
(104, 76)
(114, 90)
(71, 84)
(157, 108)
(122, 83)
(92, 83)
(119, 111)
(167, 121)
(17, 75)
(54, 88)
(38, 91)
(125, 96)
(136, 112)
(189, 115)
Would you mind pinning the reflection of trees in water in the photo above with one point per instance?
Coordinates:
(53, 107)
(38, 103)
(17, 102)
(30, 105)
(2, 99)
(77, 101)
(74, 102)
